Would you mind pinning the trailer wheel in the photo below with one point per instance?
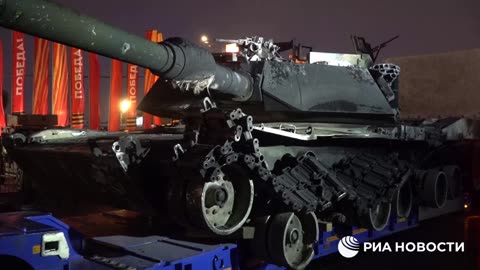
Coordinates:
(377, 217)
(454, 179)
(403, 200)
(435, 188)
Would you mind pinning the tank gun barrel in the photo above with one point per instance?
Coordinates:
(223, 40)
(174, 59)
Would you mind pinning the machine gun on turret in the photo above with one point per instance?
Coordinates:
(362, 46)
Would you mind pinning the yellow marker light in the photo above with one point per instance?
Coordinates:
(232, 48)
(36, 249)
(125, 105)
(465, 206)
(204, 39)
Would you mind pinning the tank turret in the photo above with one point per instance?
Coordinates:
(331, 86)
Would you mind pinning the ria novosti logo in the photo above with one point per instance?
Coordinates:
(349, 247)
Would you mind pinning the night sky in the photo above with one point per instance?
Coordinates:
(424, 26)
(427, 26)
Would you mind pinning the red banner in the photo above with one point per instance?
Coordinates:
(132, 96)
(150, 79)
(2, 113)
(18, 72)
(94, 91)
(40, 76)
(60, 84)
(77, 88)
(115, 95)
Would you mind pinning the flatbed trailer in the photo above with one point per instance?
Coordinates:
(30, 240)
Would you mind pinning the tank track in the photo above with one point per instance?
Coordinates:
(305, 183)
(372, 179)
(308, 186)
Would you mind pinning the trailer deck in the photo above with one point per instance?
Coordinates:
(42, 241)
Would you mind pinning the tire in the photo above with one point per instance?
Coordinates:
(435, 189)
(403, 200)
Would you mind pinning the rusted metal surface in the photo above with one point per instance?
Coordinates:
(440, 85)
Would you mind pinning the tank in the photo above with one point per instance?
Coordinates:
(266, 149)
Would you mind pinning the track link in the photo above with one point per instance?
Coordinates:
(371, 179)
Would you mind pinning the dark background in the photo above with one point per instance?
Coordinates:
(424, 26)
(427, 26)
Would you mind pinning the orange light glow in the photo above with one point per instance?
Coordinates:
(125, 105)
(465, 206)
(232, 48)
